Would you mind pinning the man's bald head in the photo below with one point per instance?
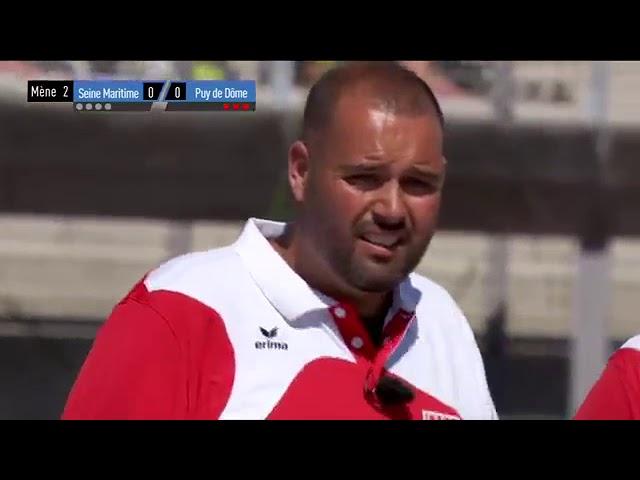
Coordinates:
(386, 85)
(367, 180)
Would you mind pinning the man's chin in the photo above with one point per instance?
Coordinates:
(377, 287)
(376, 282)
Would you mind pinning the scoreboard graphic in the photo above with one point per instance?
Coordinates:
(141, 96)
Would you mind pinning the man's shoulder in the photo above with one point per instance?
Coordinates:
(435, 305)
(190, 288)
(445, 324)
(627, 357)
(625, 363)
(193, 268)
(431, 292)
(633, 343)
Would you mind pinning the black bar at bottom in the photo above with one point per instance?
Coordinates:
(211, 106)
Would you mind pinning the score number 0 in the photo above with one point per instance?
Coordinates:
(177, 91)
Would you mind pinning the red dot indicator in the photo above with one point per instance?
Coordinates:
(236, 106)
(245, 106)
(226, 106)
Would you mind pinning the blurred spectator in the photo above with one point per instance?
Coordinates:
(434, 76)
(244, 70)
(496, 352)
(104, 69)
(159, 70)
(474, 77)
(58, 69)
(147, 70)
(21, 69)
(208, 71)
(309, 72)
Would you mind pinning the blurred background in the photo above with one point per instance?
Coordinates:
(539, 229)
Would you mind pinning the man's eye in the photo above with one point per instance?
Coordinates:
(364, 181)
(415, 186)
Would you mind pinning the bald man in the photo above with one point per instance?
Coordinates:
(321, 318)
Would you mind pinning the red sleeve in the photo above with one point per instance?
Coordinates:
(135, 369)
(616, 394)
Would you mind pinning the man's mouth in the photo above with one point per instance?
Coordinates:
(388, 241)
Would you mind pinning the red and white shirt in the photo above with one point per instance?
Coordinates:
(616, 394)
(235, 333)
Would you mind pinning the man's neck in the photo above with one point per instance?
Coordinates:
(374, 323)
(372, 307)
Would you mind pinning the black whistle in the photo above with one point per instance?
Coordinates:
(392, 391)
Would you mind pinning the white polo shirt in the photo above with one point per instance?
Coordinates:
(244, 337)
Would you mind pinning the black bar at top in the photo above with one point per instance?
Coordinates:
(210, 106)
(50, 91)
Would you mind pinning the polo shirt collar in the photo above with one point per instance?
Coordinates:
(282, 286)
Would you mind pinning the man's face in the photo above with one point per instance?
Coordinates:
(372, 193)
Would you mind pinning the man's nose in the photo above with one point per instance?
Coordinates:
(389, 210)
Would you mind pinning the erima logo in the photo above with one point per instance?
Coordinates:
(269, 333)
(270, 345)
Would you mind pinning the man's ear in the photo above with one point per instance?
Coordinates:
(299, 164)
